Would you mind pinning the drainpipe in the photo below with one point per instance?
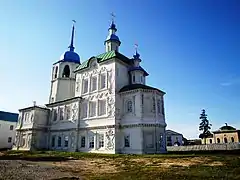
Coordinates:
(78, 125)
(156, 138)
(48, 129)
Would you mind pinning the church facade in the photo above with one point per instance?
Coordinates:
(101, 105)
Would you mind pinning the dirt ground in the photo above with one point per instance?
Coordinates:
(76, 169)
(22, 170)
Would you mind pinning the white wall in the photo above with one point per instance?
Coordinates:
(121, 75)
(30, 119)
(6, 133)
(135, 136)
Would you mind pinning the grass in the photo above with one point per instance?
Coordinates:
(141, 167)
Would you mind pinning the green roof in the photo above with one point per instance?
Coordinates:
(104, 57)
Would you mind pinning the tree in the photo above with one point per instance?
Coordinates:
(204, 126)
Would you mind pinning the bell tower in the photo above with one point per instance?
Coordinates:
(63, 76)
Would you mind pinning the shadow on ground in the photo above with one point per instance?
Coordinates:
(32, 158)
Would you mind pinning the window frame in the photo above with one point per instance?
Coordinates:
(83, 141)
(59, 142)
(10, 138)
(66, 141)
(85, 85)
(11, 127)
(85, 108)
(102, 108)
(129, 106)
(54, 115)
(61, 113)
(91, 142)
(94, 81)
(127, 141)
(101, 141)
(91, 108)
(53, 141)
(103, 80)
(68, 112)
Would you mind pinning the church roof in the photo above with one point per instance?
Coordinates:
(226, 128)
(104, 57)
(139, 86)
(171, 132)
(139, 69)
(8, 116)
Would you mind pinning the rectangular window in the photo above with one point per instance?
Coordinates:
(127, 141)
(162, 107)
(84, 110)
(91, 142)
(94, 84)
(85, 86)
(26, 116)
(11, 127)
(153, 105)
(68, 112)
(53, 141)
(158, 106)
(102, 107)
(102, 81)
(9, 139)
(66, 141)
(149, 141)
(101, 140)
(169, 138)
(83, 141)
(133, 78)
(54, 114)
(59, 141)
(92, 106)
(61, 113)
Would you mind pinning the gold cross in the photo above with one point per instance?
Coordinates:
(113, 16)
(136, 46)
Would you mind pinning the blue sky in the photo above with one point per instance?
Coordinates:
(191, 50)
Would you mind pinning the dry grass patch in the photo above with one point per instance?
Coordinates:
(87, 166)
(184, 162)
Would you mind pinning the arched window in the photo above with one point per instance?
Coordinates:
(133, 78)
(56, 71)
(218, 140)
(232, 139)
(66, 71)
(225, 140)
(129, 106)
(210, 141)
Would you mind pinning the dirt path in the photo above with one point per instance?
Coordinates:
(22, 170)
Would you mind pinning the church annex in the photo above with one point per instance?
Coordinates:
(100, 105)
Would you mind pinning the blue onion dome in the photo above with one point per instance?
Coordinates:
(136, 55)
(112, 36)
(70, 56)
(113, 27)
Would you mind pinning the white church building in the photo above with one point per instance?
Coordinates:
(101, 105)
